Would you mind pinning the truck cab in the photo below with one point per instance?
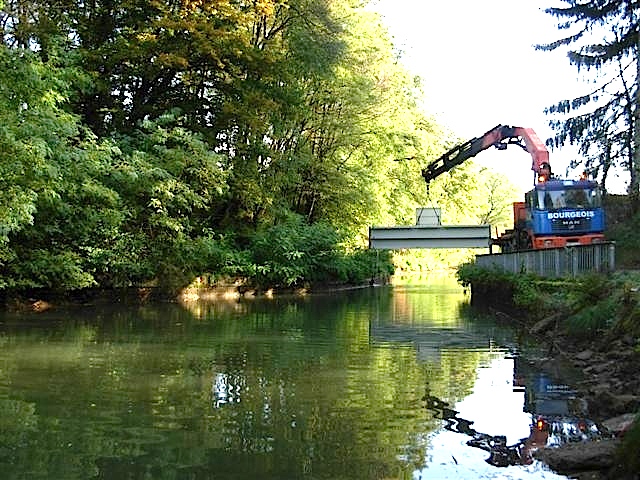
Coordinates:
(563, 213)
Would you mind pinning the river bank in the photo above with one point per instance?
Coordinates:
(610, 390)
(596, 334)
(40, 300)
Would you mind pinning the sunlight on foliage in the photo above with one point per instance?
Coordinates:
(257, 141)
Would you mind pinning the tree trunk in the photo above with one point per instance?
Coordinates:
(634, 167)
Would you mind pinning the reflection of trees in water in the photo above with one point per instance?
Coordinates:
(227, 389)
(301, 387)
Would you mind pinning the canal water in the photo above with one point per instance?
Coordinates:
(394, 382)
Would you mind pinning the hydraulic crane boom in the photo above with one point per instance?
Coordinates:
(500, 136)
(555, 213)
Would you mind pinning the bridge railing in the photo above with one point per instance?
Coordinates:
(555, 262)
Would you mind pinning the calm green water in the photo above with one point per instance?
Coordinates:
(325, 387)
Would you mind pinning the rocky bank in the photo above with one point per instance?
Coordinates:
(610, 388)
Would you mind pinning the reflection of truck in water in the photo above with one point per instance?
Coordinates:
(556, 213)
(556, 418)
(557, 414)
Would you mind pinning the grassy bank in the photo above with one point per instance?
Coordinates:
(592, 305)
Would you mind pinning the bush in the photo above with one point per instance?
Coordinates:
(54, 270)
(590, 288)
(624, 233)
(521, 290)
(294, 253)
(361, 265)
(591, 320)
(289, 253)
(593, 305)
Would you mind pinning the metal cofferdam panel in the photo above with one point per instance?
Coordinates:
(454, 236)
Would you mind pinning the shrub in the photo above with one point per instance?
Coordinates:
(592, 319)
(361, 265)
(291, 252)
(598, 303)
(589, 289)
(520, 289)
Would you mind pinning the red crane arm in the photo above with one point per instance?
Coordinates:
(494, 137)
(537, 150)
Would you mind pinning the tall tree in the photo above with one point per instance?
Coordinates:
(294, 44)
(139, 133)
(601, 37)
(359, 115)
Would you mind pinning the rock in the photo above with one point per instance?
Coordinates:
(620, 424)
(585, 355)
(626, 403)
(545, 324)
(600, 368)
(579, 457)
(608, 404)
(601, 388)
(623, 354)
(593, 475)
(40, 306)
(629, 340)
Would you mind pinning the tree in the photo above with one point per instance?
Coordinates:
(155, 136)
(265, 123)
(41, 147)
(602, 38)
(168, 180)
(358, 120)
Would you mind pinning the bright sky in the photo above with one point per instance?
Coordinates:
(480, 69)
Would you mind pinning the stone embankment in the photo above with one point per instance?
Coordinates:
(610, 389)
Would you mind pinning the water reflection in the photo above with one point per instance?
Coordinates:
(552, 424)
(549, 408)
(328, 386)
(559, 416)
(227, 389)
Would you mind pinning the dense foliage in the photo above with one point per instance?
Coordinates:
(147, 143)
(623, 229)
